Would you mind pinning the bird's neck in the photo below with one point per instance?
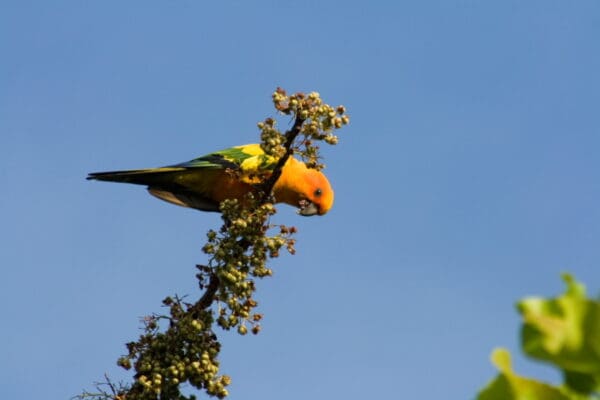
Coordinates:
(287, 189)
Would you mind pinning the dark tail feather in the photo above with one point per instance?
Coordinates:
(149, 177)
(162, 183)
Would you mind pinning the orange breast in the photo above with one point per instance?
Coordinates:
(227, 186)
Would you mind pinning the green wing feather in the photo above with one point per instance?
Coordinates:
(249, 158)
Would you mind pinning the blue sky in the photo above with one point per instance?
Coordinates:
(468, 178)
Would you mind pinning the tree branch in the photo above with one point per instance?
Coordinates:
(209, 295)
(265, 192)
(186, 351)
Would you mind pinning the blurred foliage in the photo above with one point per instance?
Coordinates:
(563, 331)
(509, 385)
(181, 347)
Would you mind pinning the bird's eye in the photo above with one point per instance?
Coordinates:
(318, 192)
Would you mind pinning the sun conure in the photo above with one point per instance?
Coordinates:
(204, 182)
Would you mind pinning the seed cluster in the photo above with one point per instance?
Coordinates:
(184, 352)
(239, 254)
(320, 120)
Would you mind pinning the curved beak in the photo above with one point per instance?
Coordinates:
(308, 209)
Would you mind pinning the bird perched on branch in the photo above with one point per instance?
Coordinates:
(204, 182)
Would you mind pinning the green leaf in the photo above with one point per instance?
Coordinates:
(565, 331)
(509, 386)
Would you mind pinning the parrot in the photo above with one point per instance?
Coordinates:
(204, 182)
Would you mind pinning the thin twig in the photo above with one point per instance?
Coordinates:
(290, 136)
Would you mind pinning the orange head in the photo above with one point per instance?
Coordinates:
(305, 188)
